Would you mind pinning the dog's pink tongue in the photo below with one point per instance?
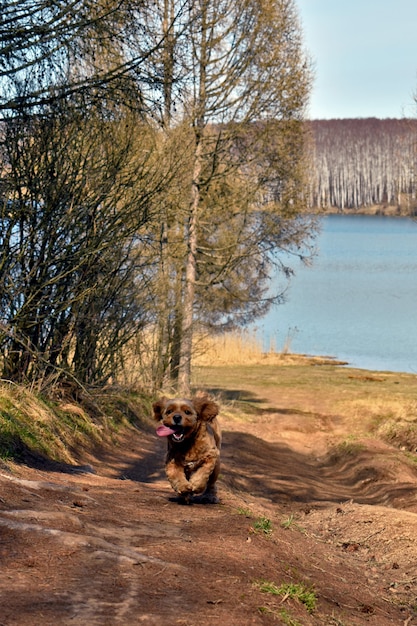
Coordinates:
(164, 431)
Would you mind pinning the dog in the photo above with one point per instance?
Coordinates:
(194, 438)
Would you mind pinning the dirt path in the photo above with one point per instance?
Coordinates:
(112, 548)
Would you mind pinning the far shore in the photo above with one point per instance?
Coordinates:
(379, 210)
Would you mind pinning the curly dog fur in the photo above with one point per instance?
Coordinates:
(194, 437)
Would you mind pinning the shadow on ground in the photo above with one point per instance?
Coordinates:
(279, 474)
(276, 472)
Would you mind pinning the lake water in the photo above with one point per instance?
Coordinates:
(358, 301)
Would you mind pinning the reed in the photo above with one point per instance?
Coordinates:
(237, 348)
(246, 348)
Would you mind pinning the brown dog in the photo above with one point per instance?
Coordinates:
(194, 437)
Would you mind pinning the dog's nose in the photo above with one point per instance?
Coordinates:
(177, 419)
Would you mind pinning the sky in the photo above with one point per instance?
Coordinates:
(364, 55)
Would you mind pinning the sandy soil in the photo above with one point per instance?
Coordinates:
(113, 548)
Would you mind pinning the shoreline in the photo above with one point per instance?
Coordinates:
(377, 210)
(244, 349)
(271, 358)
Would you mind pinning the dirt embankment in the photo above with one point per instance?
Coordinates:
(112, 547)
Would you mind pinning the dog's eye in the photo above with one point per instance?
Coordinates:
(187, 412)
(168, 411)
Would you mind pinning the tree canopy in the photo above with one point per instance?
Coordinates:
(242, 83)
(52, 49)
(152, 166)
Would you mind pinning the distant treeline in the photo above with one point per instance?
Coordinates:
(364, 164)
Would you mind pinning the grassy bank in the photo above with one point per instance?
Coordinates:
(236, 369)
(380, 404)
(406, 210)
(63, 429)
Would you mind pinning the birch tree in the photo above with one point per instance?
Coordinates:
(360, 163)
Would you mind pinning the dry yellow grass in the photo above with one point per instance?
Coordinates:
(244, 348)
(377, 409)
(359, 403)
(234, 348)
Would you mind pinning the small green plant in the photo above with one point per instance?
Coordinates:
(263, 525)
(288, 522)
(245, 512)
(350, 447)
(411, 457)
(296, 591)
(291, 523)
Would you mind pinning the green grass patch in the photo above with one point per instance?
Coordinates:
(245, 512)
(290, 523)
(349, 447)
(295, 591)
(263, 525)
(411, 457)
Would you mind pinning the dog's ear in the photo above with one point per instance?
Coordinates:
(206, 409)
(158, 407)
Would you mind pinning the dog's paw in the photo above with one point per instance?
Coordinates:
(207, 498)
(181, 485)
(185, 499)
(198, 485)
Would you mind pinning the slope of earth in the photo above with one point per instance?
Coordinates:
(307, 533)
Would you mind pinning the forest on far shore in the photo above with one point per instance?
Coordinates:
(364, 165)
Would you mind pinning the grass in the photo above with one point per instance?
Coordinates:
(290, 523)
(250, 383)
(59, 430)
(349, 447)
(381, 404)
(244, 348)
(282, 614)
(411, 457)
(263, 525)
(28, 424)
(295, 591)
(241, 347)
(244, 511)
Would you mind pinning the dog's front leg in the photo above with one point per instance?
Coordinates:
(176, 476)
(199, 478)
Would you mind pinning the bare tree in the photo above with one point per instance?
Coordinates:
(77, 193)
(80, 169)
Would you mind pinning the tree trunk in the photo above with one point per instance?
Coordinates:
(184, 368)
